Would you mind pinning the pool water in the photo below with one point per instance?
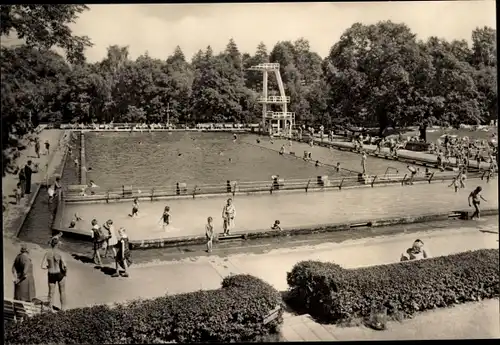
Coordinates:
(165, 158)
(348, 160)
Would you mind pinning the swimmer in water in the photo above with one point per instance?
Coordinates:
(135, 208)
(258, 140)
(276, 225)
(230, 159)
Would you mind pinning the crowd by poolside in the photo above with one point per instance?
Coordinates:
(155, 126)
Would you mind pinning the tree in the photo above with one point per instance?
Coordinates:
(484, 48)
(45, 26)
(180, 81)
(453, 82)
(371, 70)
(234, 55)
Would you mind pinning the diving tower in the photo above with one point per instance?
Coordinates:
(278, 122)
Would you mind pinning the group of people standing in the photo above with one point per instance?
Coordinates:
(106, 238)
(23, 187)
(228, 215)
(53, 262)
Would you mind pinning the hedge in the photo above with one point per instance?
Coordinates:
(333, 294)
(233, 313)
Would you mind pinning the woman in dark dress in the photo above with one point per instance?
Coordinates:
(24, 282)
(122, 258)
(28, 171)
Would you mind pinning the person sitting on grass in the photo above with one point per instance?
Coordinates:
(122, 258)
(416, 252)
(276, 225)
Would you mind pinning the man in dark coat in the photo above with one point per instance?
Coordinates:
(28, 171)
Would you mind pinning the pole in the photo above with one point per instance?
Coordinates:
(168, 115)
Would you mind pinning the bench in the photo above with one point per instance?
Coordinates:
(272, 315)
(14, 310)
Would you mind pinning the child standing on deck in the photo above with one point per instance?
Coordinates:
(135, 208)
(363, 161)
(228, 214)
(18, 192)
(209, 233)
(165, 218)
(454, 183)
(47, 147)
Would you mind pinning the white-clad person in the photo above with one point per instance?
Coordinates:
(228, 214)
(415, 252)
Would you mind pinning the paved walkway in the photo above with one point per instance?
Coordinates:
(258, 212)
(14, 212)
(87, 285)
(467, 321)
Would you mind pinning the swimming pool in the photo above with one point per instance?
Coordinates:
(164, 158)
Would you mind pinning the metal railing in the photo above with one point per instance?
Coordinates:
(84, 193)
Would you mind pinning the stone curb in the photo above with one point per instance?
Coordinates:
(316, 229)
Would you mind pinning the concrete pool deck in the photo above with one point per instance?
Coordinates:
(89, 286)
(257, 213)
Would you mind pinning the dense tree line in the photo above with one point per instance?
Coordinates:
(375, 75)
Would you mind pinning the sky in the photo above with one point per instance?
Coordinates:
(159, 28)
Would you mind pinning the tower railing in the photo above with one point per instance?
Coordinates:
(265, 67)
(283, 121)
(273, 99)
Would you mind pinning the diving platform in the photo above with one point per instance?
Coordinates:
(265, 67)
(274, 99)
(279, 115)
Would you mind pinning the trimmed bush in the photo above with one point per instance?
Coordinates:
(333, 294)
(234, 313)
